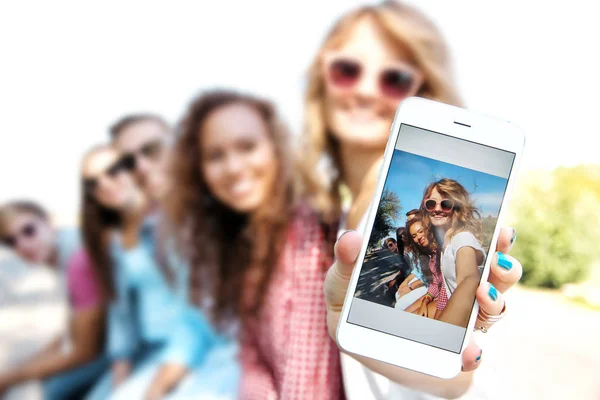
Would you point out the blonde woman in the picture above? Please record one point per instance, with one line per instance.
(457, 227)
(372, 59)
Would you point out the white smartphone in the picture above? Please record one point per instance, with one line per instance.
(429, 237)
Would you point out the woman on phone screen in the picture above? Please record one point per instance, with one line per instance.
(457, 227)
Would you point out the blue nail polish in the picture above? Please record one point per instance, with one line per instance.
(493, 293)
(479, 356)
(504, 262)
(514, 237)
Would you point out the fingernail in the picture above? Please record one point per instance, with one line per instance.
(504, 262)
(349, 230)
(479, 356)
(493, 292)
(514, 237)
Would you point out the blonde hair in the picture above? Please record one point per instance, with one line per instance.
(410, 29)
(466, 217)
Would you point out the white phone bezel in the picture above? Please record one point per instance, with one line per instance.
(462, 124)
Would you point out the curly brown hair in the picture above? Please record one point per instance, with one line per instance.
(221, 245)
(418, 253)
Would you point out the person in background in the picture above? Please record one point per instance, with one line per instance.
(255, 250)
(196, 360)
(401, 239)
(425, 253)
(372, 59)
(423, 250)
(412, 214)
(391, 245)
(145, 138)
(26, 228)
(403, 266)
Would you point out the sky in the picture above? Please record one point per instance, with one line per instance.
(68, 69)
(410, 174)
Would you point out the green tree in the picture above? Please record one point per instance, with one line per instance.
(558, 225)
(388, 211)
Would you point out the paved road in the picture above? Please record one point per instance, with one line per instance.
(378, 269)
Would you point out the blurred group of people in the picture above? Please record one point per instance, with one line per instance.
(203, 248)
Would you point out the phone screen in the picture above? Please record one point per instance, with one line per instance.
(431, 237)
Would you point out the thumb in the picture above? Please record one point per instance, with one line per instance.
(346, 251)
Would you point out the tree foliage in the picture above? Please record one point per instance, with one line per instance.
(388, 210)
(557, 218)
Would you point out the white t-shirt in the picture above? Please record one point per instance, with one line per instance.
(462, 239)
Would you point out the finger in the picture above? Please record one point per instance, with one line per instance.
(337, 280)
(471, 357)
(505, 271)
(490, 299)
(346, 251)
(338, 277)
(506, 240)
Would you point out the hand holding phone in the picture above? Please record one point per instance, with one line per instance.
(453, 166)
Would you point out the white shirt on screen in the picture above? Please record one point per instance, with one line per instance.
(462, 239)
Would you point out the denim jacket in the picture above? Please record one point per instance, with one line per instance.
(148, 310)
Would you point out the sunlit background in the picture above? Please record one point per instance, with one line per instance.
(69, 69)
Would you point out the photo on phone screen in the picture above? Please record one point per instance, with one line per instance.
(431, 235)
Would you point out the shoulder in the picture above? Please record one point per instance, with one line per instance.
(80, 272)
(463, 239)
(79, 263)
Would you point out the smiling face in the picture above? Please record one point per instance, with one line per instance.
(30, 236)
(238, 162)
(419, 234)
(145, 141)
(107, 180)
(362, 112)
(440, 216)
(391, 246)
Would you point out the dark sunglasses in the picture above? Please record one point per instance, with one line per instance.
(390, 245)
(124, 164)
(150, 150)
(28, 231)
(396, 81)
(446, 204)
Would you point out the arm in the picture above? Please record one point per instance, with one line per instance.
(408, 279)
(416, 284)
(458, 309)
(187, 346)
(86, 334)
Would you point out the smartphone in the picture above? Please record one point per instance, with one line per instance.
(429, 236)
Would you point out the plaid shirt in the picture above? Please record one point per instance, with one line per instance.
(286, 352)
(437, 289)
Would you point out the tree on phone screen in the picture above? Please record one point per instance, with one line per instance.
(387, 213)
